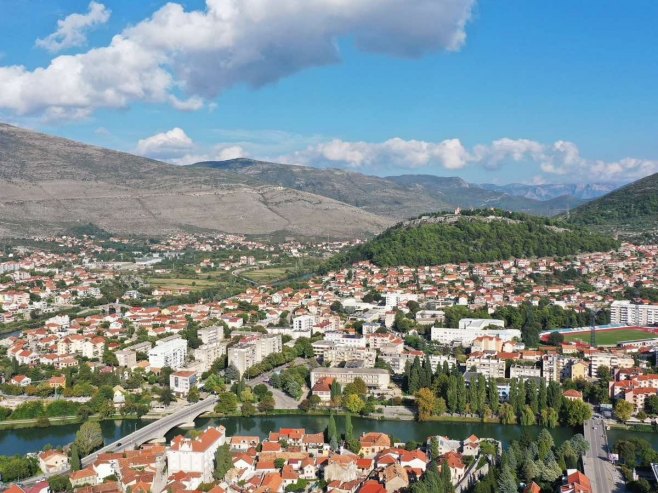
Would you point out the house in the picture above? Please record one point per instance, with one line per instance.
(454, 462)
(576, 482)
(83, 477)
(372, 443)
(244, 443)
(182, 381)
(57, 382)
(21, 380)
(573, 395)
(372, 486)
(196, 455)
(532, 488)
(322, 389)
(52, 461)
(415, 459)
(395, 478)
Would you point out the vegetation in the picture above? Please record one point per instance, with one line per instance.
(473, 238)
(15, 468)
(89, 438)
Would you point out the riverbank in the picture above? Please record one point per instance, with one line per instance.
(58, 421)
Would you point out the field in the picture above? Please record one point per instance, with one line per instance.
(183, 282)
(611, 337)
(265, 276)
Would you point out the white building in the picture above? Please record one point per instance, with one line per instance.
(206, 354)
(182, 381)
(626, 313)
(170, 352)
(374, 378)
(253, 349)
(196, 455)
(303, 323)
(466, 336)
(480, 323)
(211, 335)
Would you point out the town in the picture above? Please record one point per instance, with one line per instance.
(167, 332)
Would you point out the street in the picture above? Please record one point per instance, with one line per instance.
(605, 477)
(282, 400)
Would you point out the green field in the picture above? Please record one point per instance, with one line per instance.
(610, 337)
(183, 282)
(266, 276)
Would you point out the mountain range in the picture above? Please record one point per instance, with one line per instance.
(399, 197)
(49, 184)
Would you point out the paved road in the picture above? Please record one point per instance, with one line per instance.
(604, 476)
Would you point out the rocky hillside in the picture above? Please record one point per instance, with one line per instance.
(399, 197)
(50, 184)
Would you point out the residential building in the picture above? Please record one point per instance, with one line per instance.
(626, 313)
(196, 455)
(182, 381)
(374, 378)
(170, 352)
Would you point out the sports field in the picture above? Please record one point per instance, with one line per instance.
(611, 337)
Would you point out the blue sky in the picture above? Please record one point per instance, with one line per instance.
(492, 91)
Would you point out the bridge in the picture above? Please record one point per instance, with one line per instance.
(156, 430)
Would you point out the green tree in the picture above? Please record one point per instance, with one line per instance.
(332, 433)
(624, 410)
(353, 403)
(223, 462)
(193, 395)
(248, 409)
(348, 428)
(426, 402)
(75, 458)
(89, 437)
(228, 403)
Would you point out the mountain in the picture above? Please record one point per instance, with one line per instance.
(399, 197)
(630, 209)
(377, 195)
(465, 195)
(474, 236)
(581, 191)
(50, 184)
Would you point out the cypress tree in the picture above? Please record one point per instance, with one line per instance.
(332, 434)
(348, 428)
(75, 458)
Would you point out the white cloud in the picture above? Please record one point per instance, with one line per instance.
(561, 158)
(201, 53)
(72, 30)
(175, 142)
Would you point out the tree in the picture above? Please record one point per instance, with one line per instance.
(545, 444)
(426, 402)
(624, 410)
(279, 462)
(59, 483)
(89, 437)
(166, 395)
(267, 403)
(506, 414)
(248, 409)
(332, 433)
(228, 403)
(651, 404)
(555, 338)
(506, 481)
(109, 358)
(348, 428)
(576, 412)
(528, 416)
(223, 462)
(75, 458)
(358, 387)
(232, 374)
(193, 395)
(354, 404)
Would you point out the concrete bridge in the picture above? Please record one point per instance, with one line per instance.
(156, 430)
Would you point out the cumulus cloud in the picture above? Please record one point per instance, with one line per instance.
(174, 142)
(200, 53)
(561, 158)
(72, 30)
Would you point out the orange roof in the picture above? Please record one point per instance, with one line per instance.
(372, 486)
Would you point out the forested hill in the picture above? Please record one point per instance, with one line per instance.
(474, 236)
(630, 208)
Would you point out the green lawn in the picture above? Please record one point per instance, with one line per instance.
(611, 337)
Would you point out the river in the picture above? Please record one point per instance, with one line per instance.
(21, 441)
(24, 440)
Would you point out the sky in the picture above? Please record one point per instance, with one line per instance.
(493, 91)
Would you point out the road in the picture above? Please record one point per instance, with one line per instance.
(604, 476)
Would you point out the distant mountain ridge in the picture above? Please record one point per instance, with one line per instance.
(49, 185)
(398, 197)
(581, 191)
